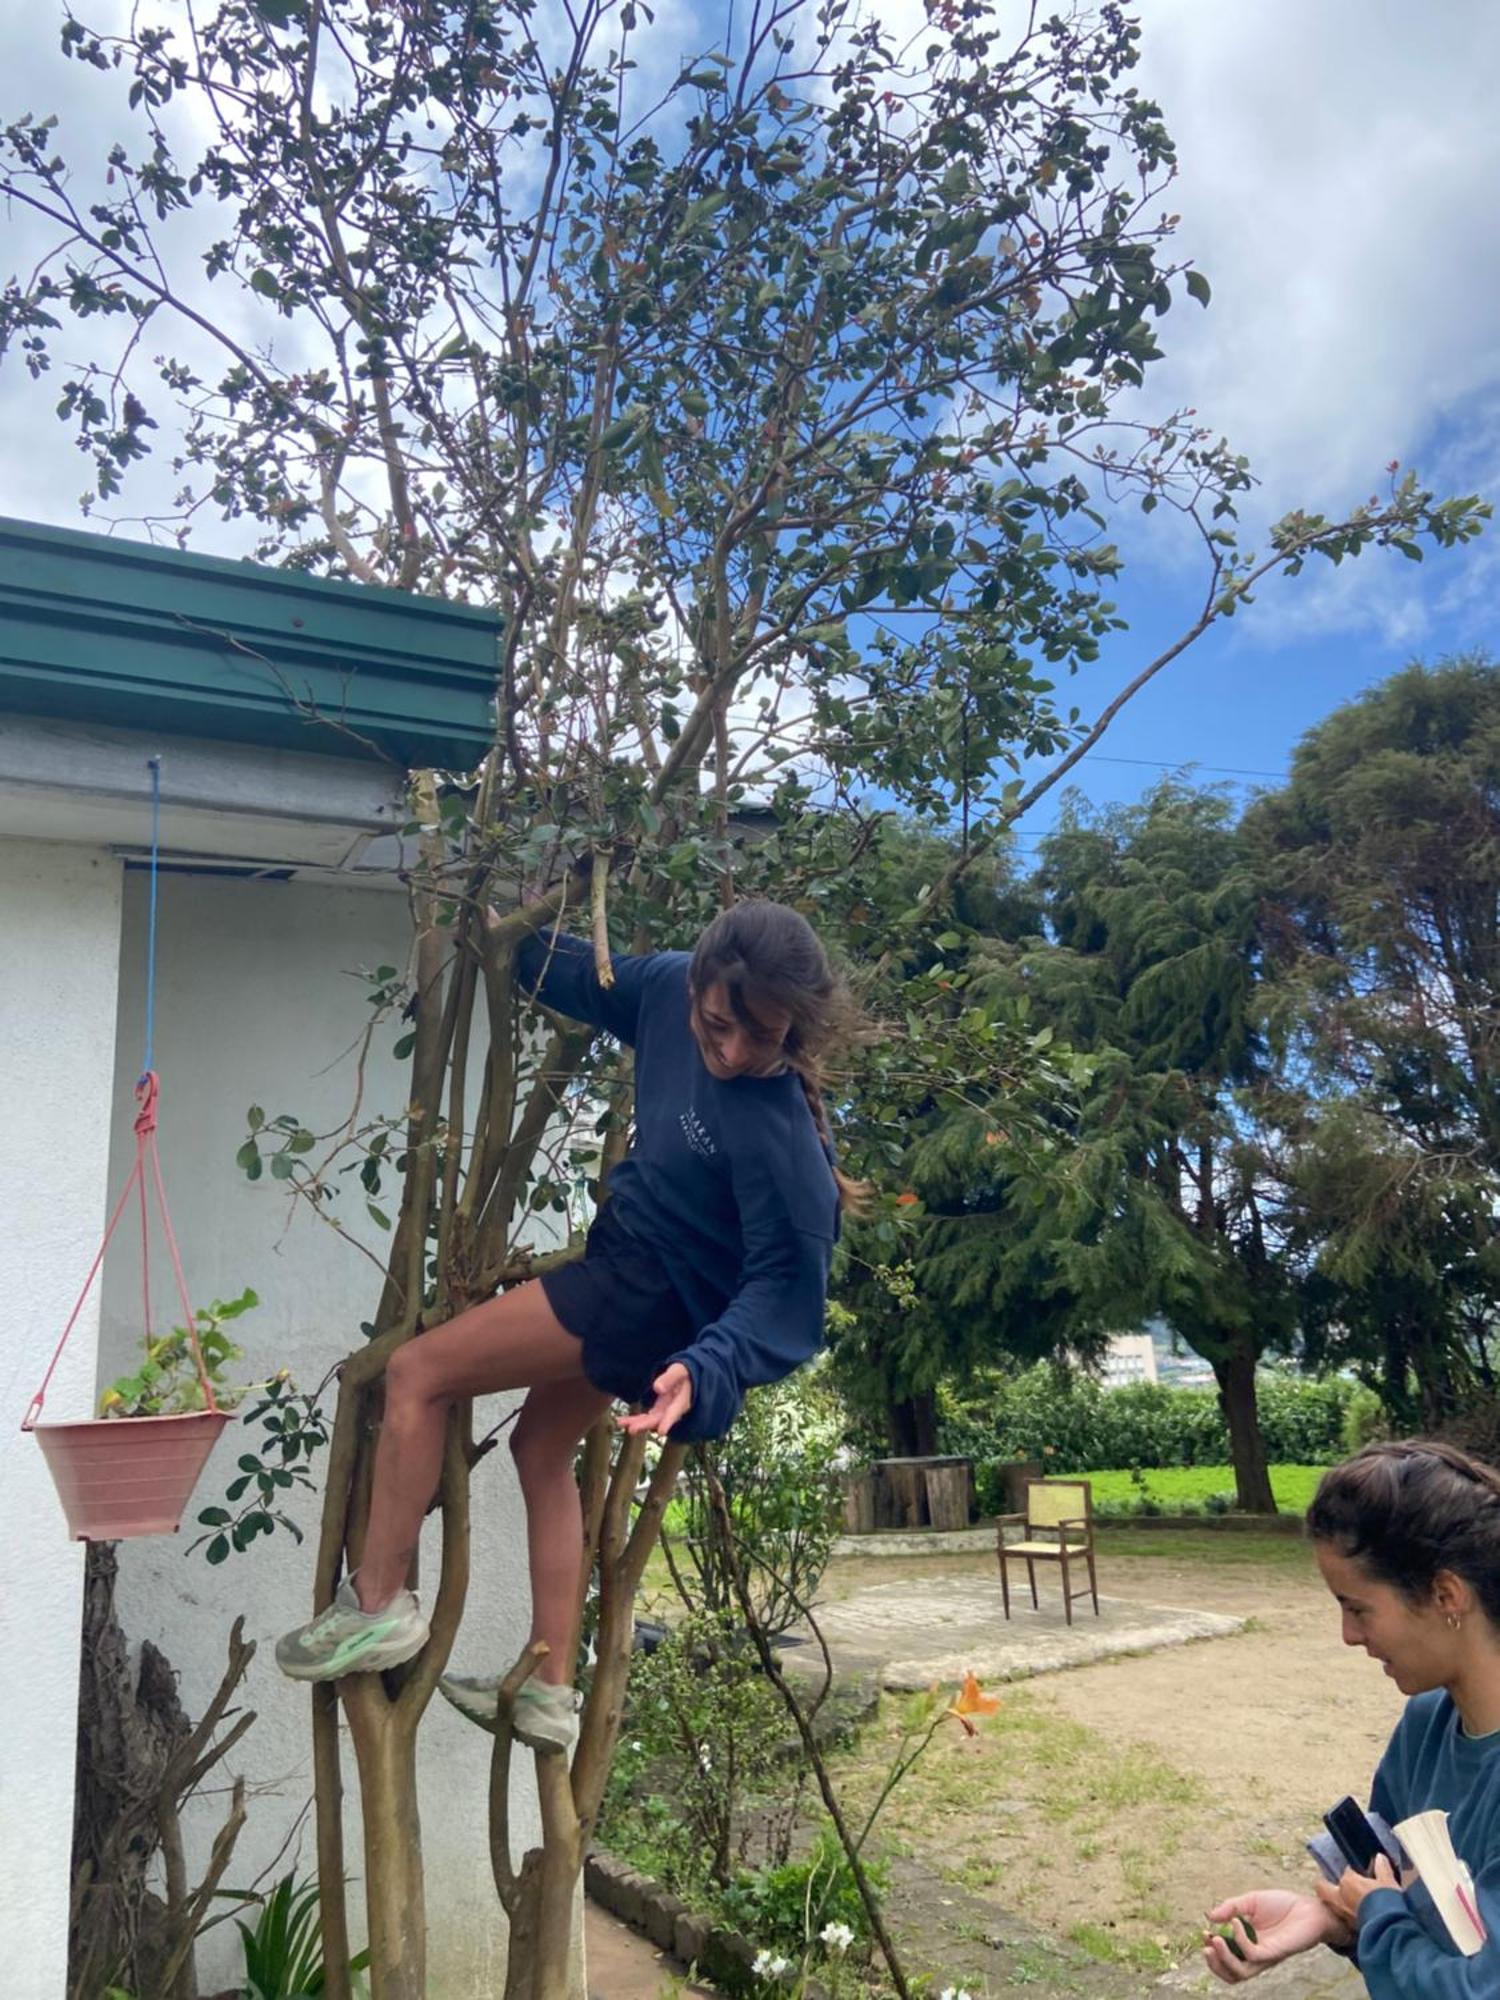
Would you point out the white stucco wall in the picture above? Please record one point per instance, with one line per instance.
(59, 945)
(255, 1005)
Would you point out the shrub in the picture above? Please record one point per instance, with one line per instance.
(701, 1786)
(1364, 1420)
(783, 1494)
(1070, 1422)
(784, 1907)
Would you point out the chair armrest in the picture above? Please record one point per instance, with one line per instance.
(1009, 1520)
(1075, 1521)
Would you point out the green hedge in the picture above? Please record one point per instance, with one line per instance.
(1074, 1423)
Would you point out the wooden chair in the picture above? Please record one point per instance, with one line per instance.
(1064, 1510)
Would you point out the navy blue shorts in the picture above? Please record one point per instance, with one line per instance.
(618, 1300)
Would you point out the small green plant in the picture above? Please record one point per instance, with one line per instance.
(284, 1951)
(776, 1470)
(295, 1430)
(702, 1783)
(776, 1906)
(167, 1383)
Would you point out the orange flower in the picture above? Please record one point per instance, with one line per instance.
(907, 1200)
(971, 1700)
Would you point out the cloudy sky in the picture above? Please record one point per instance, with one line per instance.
(1340, 186)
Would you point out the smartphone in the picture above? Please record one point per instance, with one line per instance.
(1354, 1836)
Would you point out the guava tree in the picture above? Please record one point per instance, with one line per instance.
(775, 394)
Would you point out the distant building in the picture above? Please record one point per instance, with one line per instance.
(1129, 1357)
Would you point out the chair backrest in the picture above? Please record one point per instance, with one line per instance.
(1049, 1501)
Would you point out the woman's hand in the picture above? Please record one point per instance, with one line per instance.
(1344, 1897)
(1284, 1924)
(674, 1398)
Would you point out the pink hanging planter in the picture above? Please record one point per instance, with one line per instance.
(122, 1476)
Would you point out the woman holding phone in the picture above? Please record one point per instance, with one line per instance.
(1407, 1536)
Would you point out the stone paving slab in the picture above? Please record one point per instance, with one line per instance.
(914, 1632)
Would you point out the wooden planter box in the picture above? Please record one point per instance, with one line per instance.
(909, 1493)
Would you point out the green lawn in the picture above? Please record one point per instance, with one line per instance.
(1185, 1489)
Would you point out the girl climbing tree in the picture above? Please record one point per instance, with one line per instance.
(704, 1275)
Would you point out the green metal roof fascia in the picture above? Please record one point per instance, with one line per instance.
(100, 628)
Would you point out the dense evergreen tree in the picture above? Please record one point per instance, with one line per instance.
(1383, 852)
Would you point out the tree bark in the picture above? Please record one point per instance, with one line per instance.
(385, 1750)
(913, 1426)
(1235, 1375)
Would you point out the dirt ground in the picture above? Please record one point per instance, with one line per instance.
(1071, 1847)
(1111, 1804)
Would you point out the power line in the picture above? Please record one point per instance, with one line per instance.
(1157, 764)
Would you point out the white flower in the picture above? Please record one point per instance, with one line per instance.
(837, 1937)
(635, 1746)
(955, 1993)
(767, 1967)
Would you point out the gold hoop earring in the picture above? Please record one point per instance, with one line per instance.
(1455, 1623)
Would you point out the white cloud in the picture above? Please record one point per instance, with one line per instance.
(1339, 167)
(1339, 163)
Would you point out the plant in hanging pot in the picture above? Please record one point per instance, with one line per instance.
(168, 1382)
(131, 1470)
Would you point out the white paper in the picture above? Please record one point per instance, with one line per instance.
(1426, 1838)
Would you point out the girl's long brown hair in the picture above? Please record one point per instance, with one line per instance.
(767, 955)
(1403, 1510)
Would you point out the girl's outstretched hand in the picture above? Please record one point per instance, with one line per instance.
(1268, 1925)
(674, 1398)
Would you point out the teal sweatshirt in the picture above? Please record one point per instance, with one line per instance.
(1403, 1947)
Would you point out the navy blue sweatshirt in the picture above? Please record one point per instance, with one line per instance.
(728, 1183)
(1403, 1946)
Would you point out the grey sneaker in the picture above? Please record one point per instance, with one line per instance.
(546, 1717)
(346, 1640)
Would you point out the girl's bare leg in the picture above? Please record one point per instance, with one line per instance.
(515, 1341)
(543, 1443)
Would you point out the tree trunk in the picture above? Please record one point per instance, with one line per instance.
(1235, 1375)
(913, 1426)
(386, 1753)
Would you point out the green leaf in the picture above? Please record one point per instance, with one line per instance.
(248, 1156)
(282, 1167)
(218, 1549)
(706, 206)
(1198, 287)
(261, 281)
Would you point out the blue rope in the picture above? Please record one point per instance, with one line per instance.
(154, 765)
